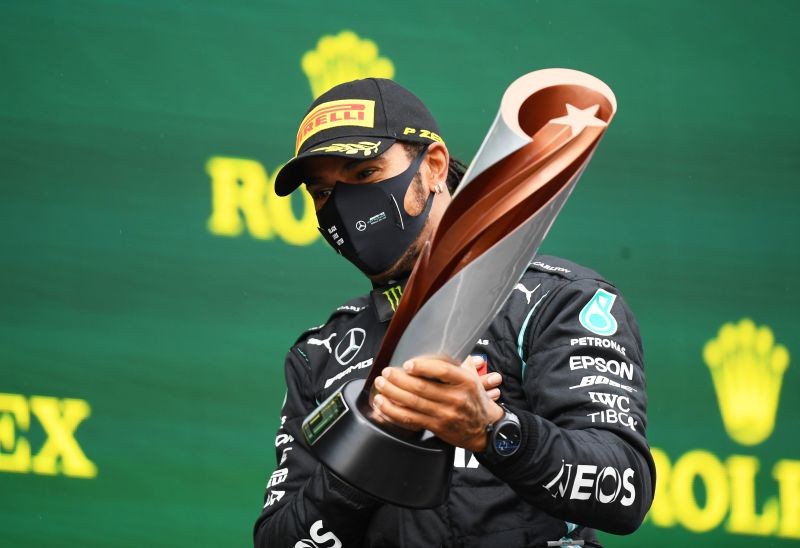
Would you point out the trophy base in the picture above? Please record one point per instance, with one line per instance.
(393, 467)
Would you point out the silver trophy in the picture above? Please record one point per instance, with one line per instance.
(548, 126)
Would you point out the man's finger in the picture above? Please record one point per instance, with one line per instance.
(436, 369)
(423, 387)
(473, 361)
(401, 416)
(405, 398)
(492, 380)
(476, 362)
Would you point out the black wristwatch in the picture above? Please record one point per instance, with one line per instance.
(503, 437)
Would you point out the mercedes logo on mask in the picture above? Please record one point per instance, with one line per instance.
(361, 226)
(350, 345)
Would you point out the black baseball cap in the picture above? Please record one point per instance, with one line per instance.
(358, 119)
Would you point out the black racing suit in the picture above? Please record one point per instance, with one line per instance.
(570, 354)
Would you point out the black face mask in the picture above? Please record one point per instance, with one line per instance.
(368, 224)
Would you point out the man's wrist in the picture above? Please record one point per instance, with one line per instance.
(503, 436)
(495, 414)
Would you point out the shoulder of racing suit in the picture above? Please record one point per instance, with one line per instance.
(555, 282)
(561, 268)
(322, 334)
(545, 278)
(346, 310)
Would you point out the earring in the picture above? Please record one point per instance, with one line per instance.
(438, 188)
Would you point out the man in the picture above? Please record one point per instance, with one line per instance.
(559, 371)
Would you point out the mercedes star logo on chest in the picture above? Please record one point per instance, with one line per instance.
(350, 345)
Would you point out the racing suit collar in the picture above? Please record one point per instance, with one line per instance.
(386, 297)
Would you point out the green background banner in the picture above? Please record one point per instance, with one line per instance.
(151, 283)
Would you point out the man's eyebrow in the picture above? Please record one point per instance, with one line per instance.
(354, 162)
(350, 164)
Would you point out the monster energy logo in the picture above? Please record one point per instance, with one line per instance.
(393, 295)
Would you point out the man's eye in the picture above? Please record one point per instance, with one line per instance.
(366, 173)
(322, 193)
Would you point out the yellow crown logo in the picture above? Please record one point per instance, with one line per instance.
(747, 368)
(342, 58)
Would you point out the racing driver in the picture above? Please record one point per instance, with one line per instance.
(559, 371)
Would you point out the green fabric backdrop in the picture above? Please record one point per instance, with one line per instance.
(150, 284)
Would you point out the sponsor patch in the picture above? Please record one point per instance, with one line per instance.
(278, 476)
(545, 266)
(274, 496)
(281, 439)
(610, 416)
(623, 403)
(615, 367)
(594, 380)
(344, 112)
(350, 345)
(393, 295)
(528, 293)
(586, 482)
(322, 342)
(460, 459)
(385, 300)
(345, 372)
(349, 308)
(598, 342)
(596, 315)
(424, 133)
(319, 538)
(367, 148)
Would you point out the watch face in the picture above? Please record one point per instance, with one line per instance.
(507, 439)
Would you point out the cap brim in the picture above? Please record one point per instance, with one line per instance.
(290, 176)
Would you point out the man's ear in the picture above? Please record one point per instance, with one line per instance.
(437, 160)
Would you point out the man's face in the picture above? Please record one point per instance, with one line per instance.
(321, 173)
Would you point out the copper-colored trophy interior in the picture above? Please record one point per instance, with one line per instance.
(500, 199)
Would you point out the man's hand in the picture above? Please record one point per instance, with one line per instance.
(451, 401)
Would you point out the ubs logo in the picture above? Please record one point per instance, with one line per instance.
(350, 345)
